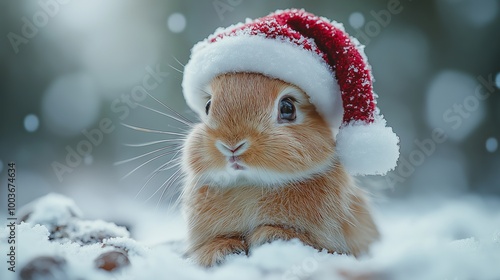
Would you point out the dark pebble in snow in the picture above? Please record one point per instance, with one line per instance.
(44, 267)
(112, 260)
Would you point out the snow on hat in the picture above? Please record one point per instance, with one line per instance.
(318, 56)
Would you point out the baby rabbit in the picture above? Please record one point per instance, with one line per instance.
(262, 166)
(288, 115)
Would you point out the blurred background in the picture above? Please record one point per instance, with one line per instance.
(72, 71)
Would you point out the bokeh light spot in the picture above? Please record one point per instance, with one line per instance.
(452, 104)
(473, 12)
(357, 20)
(71, 104)
(88, 159)
(176, 22)
(31, 123)
(491, 144)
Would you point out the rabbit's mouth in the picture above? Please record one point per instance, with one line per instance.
(235, 162)
(236, 166)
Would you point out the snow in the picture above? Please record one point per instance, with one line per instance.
(62, 218)
(421, 239)
(52, 209)
(87, 232)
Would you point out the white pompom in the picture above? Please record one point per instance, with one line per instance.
(368, 149)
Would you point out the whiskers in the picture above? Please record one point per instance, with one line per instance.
(175, 68)
(143, 129)
(174, 150)
(164, 154)
(152, 143)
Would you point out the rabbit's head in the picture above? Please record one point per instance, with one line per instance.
(257, 131)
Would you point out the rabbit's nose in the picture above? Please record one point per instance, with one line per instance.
(232, 150)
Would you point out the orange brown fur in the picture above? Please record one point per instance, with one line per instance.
(323, 208)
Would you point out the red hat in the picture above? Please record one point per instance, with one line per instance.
(318, 56)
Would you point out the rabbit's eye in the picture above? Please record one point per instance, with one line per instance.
(207, 106)
(287, 110)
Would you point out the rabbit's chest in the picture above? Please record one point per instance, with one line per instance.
(291, 207)
(245, 208)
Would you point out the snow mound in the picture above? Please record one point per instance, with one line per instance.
(457, 239)
(63, 220)
(52, 209)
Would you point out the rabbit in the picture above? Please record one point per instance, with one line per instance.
(261, 166)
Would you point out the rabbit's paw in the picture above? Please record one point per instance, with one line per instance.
(268, 233)
(215, 251)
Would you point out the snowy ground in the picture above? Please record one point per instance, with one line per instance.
(452, 239)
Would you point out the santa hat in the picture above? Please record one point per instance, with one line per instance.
(318, 56)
